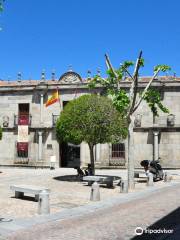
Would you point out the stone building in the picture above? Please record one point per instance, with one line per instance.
(29, 137)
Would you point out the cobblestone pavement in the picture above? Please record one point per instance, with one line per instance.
(64, 194)
(114, 223)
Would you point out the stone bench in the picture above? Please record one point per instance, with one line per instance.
(140, 174)
(108, 180)
(21, 189)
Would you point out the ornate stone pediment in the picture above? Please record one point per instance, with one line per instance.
(70, 78)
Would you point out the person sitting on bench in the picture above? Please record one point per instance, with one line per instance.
(80, 172)
(88, 171)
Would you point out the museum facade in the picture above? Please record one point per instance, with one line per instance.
(29, 135)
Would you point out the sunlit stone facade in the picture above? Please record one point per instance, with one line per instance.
(23, 111)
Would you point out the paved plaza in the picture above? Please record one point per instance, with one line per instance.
(64, 194)
(73, 216)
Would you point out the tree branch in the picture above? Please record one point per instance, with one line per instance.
(127, 72)
(134, 85)
(136, 69)
(109, 66)
(145, 90)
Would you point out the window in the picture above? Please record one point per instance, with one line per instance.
(23, 118)
(23, 108)
(118, 150)
(49, 146)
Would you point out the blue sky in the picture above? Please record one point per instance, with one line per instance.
(42, 34)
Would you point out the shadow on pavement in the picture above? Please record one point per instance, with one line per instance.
(141, 180)
(76, 178)
(27, 198)
(169, 223)
(69, 178)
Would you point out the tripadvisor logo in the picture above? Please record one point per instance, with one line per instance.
(139, 231)
(150, 231)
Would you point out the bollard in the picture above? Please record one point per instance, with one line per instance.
(43, 205)
(167, 177)
(124, 186)
(150, 182)
(95, 193)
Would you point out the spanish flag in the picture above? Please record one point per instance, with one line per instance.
(54, 98)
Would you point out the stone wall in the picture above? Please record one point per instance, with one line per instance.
(7, 148)
(169, 141)
(169, 149)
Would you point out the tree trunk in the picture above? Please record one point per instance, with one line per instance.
(131, 154)
(154, 119)
(91, 147)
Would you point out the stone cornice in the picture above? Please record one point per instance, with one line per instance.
(50, 85)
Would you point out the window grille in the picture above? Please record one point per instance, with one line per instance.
(118, 150)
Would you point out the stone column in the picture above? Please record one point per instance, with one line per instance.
(156, 145)
(40, 146)
(41, 109)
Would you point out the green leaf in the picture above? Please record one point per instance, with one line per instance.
(128, 64)
(1, 5)
(163, 68)
(91, 118)
(141, 62)
(121, 101)
(153, 99)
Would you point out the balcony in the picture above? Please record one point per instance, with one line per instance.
(54, 119)
(22, 120)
